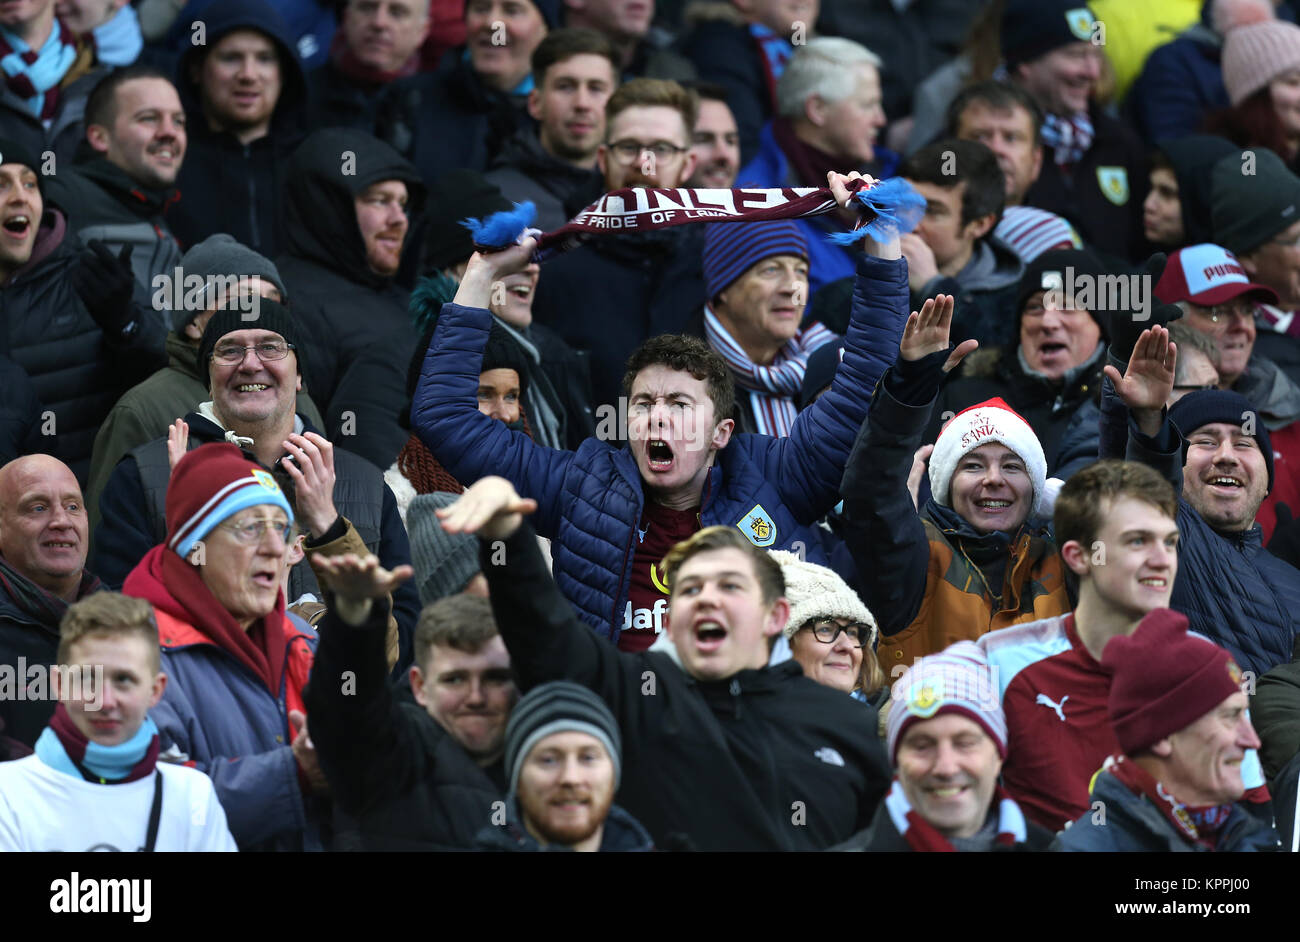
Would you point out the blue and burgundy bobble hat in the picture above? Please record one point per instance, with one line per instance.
(731, 248)
(211, 484)
(958, 680)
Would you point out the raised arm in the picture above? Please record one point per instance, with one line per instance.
(1144, 388)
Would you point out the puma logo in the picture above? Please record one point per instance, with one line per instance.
(1047, 701)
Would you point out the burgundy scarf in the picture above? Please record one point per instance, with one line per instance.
(346, 61)
(169, 583)
(1196, 825)
(75, 745)
(809, 164)
(44, 606)
(922, 836)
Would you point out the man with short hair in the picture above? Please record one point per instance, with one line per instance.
(612, 293)
(828, 116)
(421, 775)
(254, 374)
(1215, 449)
(95, 782)
(682, 468)
(953, 250)
(716, 141)
(44, 539)
(1180, 718)
(946, 736)
(135, 129)
(1094, 173)
(706, 789)
(642, 50)
(554, 166)
(378, 42)
(112, 24)
(564, 759)
(245, 96)
(1005, 119)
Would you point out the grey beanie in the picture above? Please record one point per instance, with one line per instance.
(1246, 210)
(444, 562)
(560, 706)
(220, 256)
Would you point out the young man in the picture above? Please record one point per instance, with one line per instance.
(1114, 524)
(554, 166)
(615, 511)
(1177, 781)
(690, 770)
(564, 759)
(716, 141)
(95, 782)
(947, 739)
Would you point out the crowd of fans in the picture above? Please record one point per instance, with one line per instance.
(323, 527)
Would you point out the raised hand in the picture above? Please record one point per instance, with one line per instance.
(927, 331)
(490, 508)
(1149, 380)
(178, 442)
(305, 752)
(312, 472)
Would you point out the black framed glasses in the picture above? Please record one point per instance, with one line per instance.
(627, 151)
(827, 631)
(231, 353)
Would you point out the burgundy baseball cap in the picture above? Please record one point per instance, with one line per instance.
(1207, 275)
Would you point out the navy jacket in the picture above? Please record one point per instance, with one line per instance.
(623, 834)
(591, 500)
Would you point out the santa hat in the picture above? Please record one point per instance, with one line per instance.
(989, 422)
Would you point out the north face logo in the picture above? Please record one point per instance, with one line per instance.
(829, 756)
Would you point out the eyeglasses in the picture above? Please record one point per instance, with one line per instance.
(1226, 312)
(251, 532)
(827, 631)
(627, 151)
(232, 353)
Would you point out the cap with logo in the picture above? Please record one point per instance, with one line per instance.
(1207, 275)
(1033, 28)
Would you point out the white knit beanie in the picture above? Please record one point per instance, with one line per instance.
(817, 592)
(991, 421)
(1256, 48)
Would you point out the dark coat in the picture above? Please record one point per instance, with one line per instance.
(559, 190)
(77, 372)
(764, 760)
(227, 186)
(20, 413)
(337, 101)
(1181, 83)
(402, 779)
(1275, 713)
(67, 128)
(1130, 823)
(724, 53)
(133, 521)
(986, 303)
(609, 296)
(623, 834)
(592, 499)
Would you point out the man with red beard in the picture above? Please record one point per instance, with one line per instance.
(564, 757)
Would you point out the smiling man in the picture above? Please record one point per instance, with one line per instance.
(716, 141)
(614, 511)
(44, 538)
(1177, 781)
(689, 716)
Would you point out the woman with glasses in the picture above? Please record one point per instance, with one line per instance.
(830, 632)
(235, 663)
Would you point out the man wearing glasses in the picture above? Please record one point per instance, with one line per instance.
(606, 297)
(1219, 297)
(254, 372)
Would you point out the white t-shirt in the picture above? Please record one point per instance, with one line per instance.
(42, 809)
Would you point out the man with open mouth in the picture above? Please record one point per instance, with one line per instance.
(614, 512)
(1179, 713)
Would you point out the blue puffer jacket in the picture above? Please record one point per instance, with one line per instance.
(827, 262)
(1129, 823)
(590, 501)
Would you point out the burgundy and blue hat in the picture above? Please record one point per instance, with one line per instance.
(1207, 275)
(731, 248)
(957, 680)
(210, 484)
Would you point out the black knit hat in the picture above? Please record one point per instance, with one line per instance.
(458, 195)
(1192, 159)
(270, 315)
(1033, 28)
(13, 151)
(501, 352)
(1051, 269)
(1209, 406)
(1248, 209)
(560, 706)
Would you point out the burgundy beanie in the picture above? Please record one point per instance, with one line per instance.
(210, 484)
(1164, 679)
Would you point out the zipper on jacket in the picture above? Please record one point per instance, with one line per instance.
(734, 690)
(252, 199)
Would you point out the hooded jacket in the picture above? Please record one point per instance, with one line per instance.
(104, 203)
(985, 289)
(331, 284)
(559, 190)
(622, 834)
(20, 413)
(723, 52)
(764, 759)
(227, 186)
(77, 372)
(592, 499)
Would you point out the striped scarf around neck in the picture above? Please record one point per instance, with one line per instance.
(34, 75)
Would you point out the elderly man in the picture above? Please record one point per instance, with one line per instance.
(756, 279)
(1219, 298)
(44, 539)
(564, 758)
(947, 738)
(253, 405)
(1179, 714)
(828, 116)
(95, 776)
(236, 663)
(703, 788)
